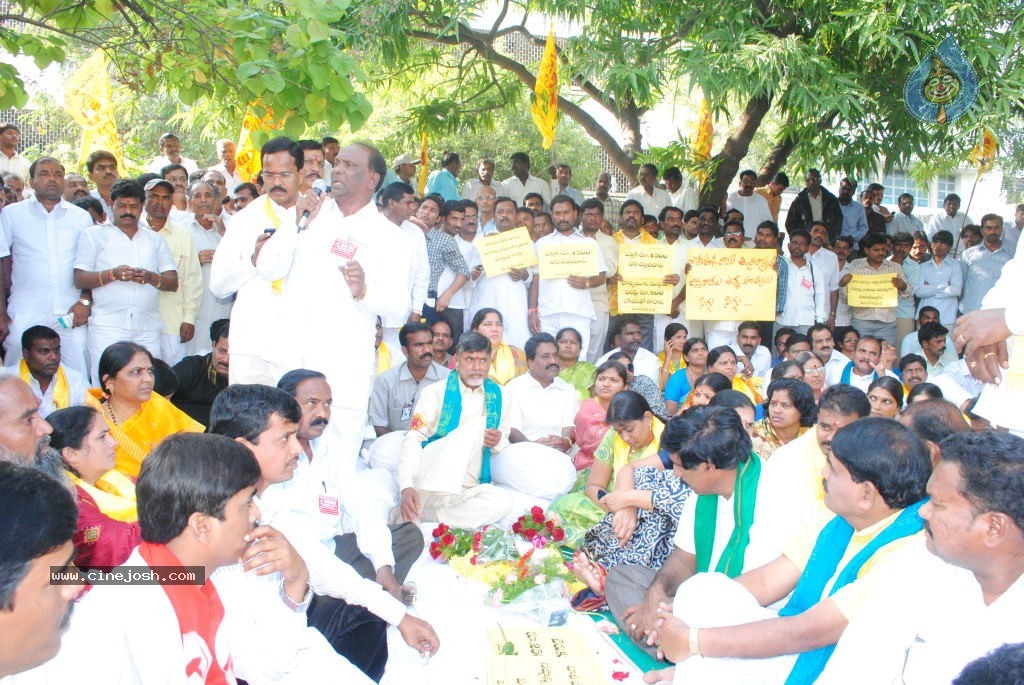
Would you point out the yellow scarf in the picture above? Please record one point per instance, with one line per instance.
(745, 387)
(61, 391)
(503, 365)
(623, 454)
(114, 494)
(383, 358)
(276, 223)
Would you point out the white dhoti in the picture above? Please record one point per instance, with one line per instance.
(712, 600)
(598, 335)
(172, 350)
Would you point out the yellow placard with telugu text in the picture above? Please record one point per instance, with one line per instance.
(573, 259)
(644, 298)
(731, 284)
(502, 252)
(548, 656)
(646, 263)
(871, 291)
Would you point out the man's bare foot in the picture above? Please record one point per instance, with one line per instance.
(663, 675)
(588, 572)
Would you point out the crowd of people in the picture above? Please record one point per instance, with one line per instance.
(832, 495)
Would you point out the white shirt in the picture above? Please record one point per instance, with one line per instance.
(685, 198)
(43, 245)
(761, 359)
(555, 295)
(124, 304)
(653, 203)
(517, 190)
(17, 165)
(233, 179)
(77, 385)
(471, 188)
(161, 161)
(807, 301)
(755, 210)
(538, 411)
(837, 361)
(211, 308)
(420, 276)
(645, 363)
(610, 252)
(834, 376)
(826, 265)
(944, 284)
(714, 242)
(463, 297)
(944, 222)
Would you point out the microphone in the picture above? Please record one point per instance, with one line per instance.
(320, 187)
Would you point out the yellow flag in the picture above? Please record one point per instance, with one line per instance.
(87, 100)
(545, 93)
(421, 182)
(984, 153)
(247, 157)
(702, 136)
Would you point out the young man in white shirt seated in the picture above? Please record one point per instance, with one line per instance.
(55, 385)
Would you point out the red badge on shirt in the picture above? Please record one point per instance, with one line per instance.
(328, 505)
(417, 422)
(346, 249)
(806, 283)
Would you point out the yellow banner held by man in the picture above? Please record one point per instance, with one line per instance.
(87, 100)
(502, 252)
(871, 291)
(731, 285)
(563, 261)
(646, 263)
(643, 298)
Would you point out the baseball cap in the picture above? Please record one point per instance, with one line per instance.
(405, 159)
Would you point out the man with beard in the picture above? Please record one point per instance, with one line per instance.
(41, 235)
(178, 308)
(207, 228)
(557, 303)
(202, 377)
(54, 385)
(126, 266)
(75, 187)
(484, 179)
(38, 517)
(24, 434)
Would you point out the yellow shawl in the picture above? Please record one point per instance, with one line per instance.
(139, 434)
(383, 358)
(623, 454)
(114, 494)
(61, 391)
(507, 363)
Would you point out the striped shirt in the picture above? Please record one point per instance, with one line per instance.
(443, 252)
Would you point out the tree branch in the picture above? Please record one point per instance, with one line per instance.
(779, 155)
(735, 149)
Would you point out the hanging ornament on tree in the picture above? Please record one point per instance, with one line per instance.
(943, 86)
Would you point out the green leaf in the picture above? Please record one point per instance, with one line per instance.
(317, 31)
(274, 82)
(247, 70)
(320, 74)
(296, 37)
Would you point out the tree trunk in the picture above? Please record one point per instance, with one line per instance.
(734, 150)
(779, 154)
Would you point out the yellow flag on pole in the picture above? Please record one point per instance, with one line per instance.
(984, 153)
(247, 157)
(702, 136)
(87, 100)
(545, 93)
(421, 182)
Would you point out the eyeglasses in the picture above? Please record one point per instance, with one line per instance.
(850, 341)
(283, 175)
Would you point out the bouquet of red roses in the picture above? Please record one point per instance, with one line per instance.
(451, 542)
(538, 529)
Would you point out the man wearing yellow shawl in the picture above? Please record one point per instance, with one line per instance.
(55, 385)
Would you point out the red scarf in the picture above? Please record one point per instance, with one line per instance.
(200, 612)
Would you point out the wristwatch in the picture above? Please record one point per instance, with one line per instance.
(87, 303)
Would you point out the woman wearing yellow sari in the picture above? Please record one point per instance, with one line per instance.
(722, 360)
(790, 410)
(671, 358)
(137, 417)
(108, 527)
(507, 361)
(635, 434)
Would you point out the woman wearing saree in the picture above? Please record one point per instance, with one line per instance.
(591, 422)
(507, 361)
(138, 418)
(789, 411)
(574, 371)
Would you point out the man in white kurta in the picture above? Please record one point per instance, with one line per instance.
(505, 292)
(207, 233)
(41, 235)
(337, 275)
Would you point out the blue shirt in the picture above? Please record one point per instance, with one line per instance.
(855, 221)
(444, 184)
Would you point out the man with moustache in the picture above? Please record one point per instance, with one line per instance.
(259, 304)
(346, 267)
(227, 167)
(313, 164)
(126, 266)
(557, 303)
(591, 221)
(484, 179)
(398, 203)
(855, 222)
(753, 205)
(24, 433)
(395, 391)
(177, 176)
(207, 229)
(75, 187)
(507, 292)
(631, 232)
(612, 207)
(170, 153)
(55, 386)
(872, 358)
(202, 377)
(41, 235)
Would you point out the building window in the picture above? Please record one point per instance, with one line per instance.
(944, 185)
(899, 182)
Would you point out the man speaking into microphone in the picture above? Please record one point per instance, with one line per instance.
(348, 265)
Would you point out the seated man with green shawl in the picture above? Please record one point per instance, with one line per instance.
(727, 528)
(445, 468)
(875, 482)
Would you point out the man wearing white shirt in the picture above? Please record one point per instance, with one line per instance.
(259, 304)
(41, 236)
(337, 276)
(102, 168)
(170, 153)
(55, 386)
(592, 217)
(824, 348)
(228, 167)
(903, 220)
(178, 308)
(681, 195)
(398, 203)
(984, 263)
(826, 265)
(754, 207)
(652, 198)
(940, 280)
(521, 182)
(484, 177)
(707, 227)
(671, 220)
(949, 219)
(10, 161)
(126, 266)
(207, 229)
(933, 340)
(806, 297)
(869, 362)
(627, 336)
(560, 303)
(748, 342)
(906, 633)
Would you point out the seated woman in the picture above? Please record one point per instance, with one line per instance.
(790, 410)
(138, 418)
(574, 371)
(591, 420)
(640, 384)
(507, 361)
(923, 392)
(635, 435)
(108, 528)
(385, 357)
(814, 372)
(722, 360)
(695, 353)
(886, 397)
(846, 338)
(787, 369)
(704, 390)
(671, 358)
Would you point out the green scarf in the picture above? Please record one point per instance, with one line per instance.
(451, 411)
(744, 499)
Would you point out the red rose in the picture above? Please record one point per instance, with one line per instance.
(558, 534)
(537, 511)
(472, 560)
(550, 525)
(538, 516)
(530, 533)
(435, 550)
(448, 540)
(517, 527)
